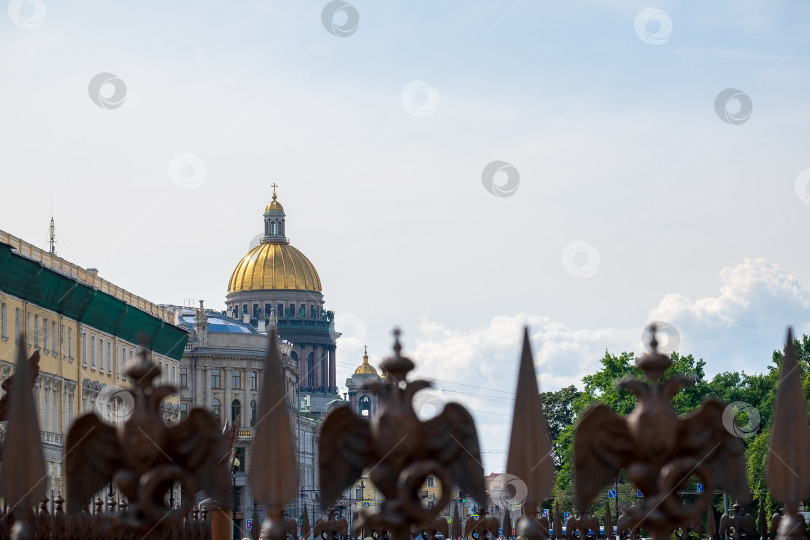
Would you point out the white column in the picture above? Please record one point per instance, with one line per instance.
(57, 387)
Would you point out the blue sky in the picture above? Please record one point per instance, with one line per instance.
(635, 200)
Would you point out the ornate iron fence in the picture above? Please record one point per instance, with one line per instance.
(145, 458)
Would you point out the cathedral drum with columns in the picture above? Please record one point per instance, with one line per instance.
(274, 283)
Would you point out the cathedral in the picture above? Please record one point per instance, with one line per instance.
(275, 281)
(273, 286)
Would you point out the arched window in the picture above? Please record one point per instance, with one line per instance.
(215, 407)
(364, 406)
(236, 410)
(311, 370)
(253, 413)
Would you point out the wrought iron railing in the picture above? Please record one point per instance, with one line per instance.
(657, 449)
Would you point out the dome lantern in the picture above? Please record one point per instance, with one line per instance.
(274, 221)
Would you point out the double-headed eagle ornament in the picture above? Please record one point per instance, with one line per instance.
(400, 451)
(145, 457)
(659, 450)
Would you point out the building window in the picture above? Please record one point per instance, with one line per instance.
(45, 334)
(3, 322)
(174, 374)
(292, 310)
(183, 411)
(53, 336)
(364, 406)
(240, 455)
(254, 380)
(36, 331)
(17, 324)
(109, 356)
(28, 326)
(267, 308)
(70, 342)
(431, 481)
(101, 354)
(93, 352)
(183, 377)
(236, 411)
(280, 310)
(84, 348)
(122, 358)
(256, 310)
(252, 413)
(216, 379)
(236, 379)
(215, 407)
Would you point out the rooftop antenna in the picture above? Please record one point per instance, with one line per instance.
(52, 242)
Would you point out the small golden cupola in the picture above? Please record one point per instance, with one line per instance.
(365, 368)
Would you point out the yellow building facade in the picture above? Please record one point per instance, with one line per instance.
(86, 331)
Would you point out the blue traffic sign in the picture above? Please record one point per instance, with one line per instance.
(249, 523)
(366, 504)
(567, 515)
(611, 494)
(700, 488)
(639, 493)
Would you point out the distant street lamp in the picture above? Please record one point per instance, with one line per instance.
(235, 467)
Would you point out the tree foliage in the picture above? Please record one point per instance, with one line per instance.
(754, 394)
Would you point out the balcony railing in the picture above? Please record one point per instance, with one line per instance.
(51, 438)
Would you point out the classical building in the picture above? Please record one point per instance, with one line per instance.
(273, 286)
(274, 279)
(86, 330)
(222, 369)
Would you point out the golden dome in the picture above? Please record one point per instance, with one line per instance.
(365, 368)
(274, 265)
(274, 206)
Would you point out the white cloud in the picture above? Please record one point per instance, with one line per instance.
(747, 320)
(736, 329)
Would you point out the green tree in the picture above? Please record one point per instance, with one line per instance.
(559, 408)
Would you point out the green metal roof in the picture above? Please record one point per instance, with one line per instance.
(29, 280)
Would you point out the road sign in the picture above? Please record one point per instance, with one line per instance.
(611, 494)
(639, 493)
(249, 523)
(567, 515)
(474, 516)
(545, 512)
(500, 532)
(366, 504)
(700, 488)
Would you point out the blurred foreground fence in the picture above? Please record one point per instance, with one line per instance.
(658, 450)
